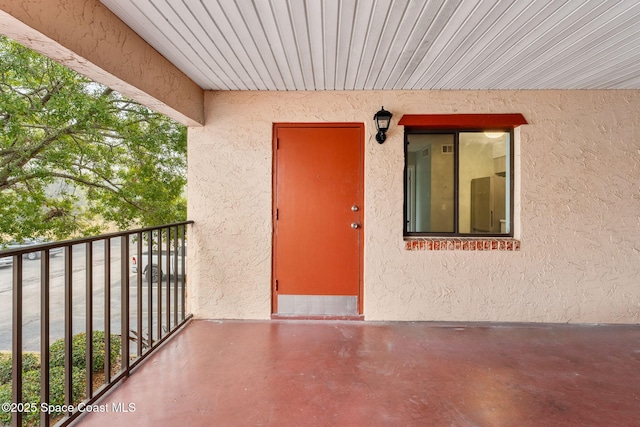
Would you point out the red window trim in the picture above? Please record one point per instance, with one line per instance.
(462, 121)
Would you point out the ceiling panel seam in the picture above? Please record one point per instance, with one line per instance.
(603, 44)
(405, 43)
(454, 64)
(384, 43)
(448, 51)
(360, 33)
(237, 45)
(254, 56)
(215, 34)
(552, 44)
(524, 32)
(227, 80)
(178, 60)
(273, 32)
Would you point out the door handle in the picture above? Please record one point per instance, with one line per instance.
(355, 225)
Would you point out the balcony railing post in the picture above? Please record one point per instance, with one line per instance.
(159, 282)
(68, 326)
(16, 345)
(124, 304)
(107, 310)
(139, 291)
(89, 319)
(44, 333)
(175, 276)
(150, 290)
(168, 279)
(184, 272)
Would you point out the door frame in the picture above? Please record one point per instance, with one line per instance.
(274, 194)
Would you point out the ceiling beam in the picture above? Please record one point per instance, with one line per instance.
(87, 37)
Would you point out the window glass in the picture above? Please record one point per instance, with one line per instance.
(458, 183)
(430, 183)
(482, 185)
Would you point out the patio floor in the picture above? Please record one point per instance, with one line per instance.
(341, 373)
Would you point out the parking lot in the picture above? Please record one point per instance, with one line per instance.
(31, 296)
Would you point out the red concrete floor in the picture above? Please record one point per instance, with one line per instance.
(325, 373)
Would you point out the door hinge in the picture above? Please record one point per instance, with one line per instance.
(277, 214)
(276, 284)
(277, 143)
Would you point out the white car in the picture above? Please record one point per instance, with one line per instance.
(157, 271)
(32, 242)
(6, 261)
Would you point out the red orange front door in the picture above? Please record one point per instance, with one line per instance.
(318, 213)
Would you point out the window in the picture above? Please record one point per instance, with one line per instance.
(458, 182)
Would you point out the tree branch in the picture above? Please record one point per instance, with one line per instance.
(96, 185)
(19, 159)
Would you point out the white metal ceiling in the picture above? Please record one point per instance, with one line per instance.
(394, 44)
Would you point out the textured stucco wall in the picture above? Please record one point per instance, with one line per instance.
(578, 208)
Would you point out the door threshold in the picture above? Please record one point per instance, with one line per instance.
(274, 316)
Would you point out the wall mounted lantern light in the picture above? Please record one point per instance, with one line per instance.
(383, 120)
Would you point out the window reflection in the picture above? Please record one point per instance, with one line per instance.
(430, 183)
(482, 194)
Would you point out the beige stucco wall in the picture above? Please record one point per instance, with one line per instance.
(578, 217)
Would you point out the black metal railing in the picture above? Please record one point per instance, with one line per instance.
(124, 290)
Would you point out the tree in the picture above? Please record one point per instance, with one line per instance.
(75, 155)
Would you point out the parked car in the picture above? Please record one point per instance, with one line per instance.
(31, 242)
(157, 270)
(6, 261)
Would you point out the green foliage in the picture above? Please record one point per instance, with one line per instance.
(5, 368)
(31, 373)
(74, 154)
(30, 361)
(31, 392)
(79, 342)
(5, 396)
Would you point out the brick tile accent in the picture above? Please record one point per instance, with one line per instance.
(461, 244)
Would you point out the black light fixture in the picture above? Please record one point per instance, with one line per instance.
(383, 120)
